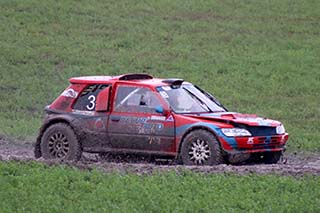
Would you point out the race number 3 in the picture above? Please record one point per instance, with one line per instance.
(92, 102)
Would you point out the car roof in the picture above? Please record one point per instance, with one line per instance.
(139, 79)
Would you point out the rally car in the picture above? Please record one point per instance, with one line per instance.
(136, 113)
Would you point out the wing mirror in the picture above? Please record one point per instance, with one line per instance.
(161, 110)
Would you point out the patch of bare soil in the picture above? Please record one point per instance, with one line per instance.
(292, 164)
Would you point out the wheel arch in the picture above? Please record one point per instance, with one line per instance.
(44, 127)
(193, 129)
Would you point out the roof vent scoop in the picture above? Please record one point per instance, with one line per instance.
(173, 81)
(137, 76)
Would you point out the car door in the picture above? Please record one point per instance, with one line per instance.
(134, 123)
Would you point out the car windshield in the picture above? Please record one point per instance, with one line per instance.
(188, 98)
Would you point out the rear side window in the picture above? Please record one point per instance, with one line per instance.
(87, 99)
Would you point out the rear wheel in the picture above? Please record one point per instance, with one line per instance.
(201, 147)
(60, 142)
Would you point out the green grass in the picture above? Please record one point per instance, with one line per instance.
(255, 56)
(33, 187)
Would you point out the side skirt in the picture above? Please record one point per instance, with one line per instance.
(130, 151)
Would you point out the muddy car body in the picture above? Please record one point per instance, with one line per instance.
(136, 113)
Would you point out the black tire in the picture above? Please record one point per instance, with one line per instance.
(201, 147)
(60, 142)
(256, 158)
(272, 157)
(105, 155)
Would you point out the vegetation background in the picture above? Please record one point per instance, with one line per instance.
(31, 187)
(258, 57)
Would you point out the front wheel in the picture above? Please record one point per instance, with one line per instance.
(201, 147)
(60, 142)
(272, 157)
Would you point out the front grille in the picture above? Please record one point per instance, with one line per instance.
(266, 143)
(261, 130)
(262, 146)
(266, 146)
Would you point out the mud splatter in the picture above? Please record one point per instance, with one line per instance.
(293, 164)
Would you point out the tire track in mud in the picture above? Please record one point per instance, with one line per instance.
(293, 165)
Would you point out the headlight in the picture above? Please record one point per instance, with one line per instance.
(280, 130)
(234, 132)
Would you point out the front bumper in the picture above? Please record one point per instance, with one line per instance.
(254, 144)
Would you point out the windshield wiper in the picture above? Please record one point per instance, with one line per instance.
(211, 97)
(202, 103)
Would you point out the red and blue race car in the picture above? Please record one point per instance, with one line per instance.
(136, 113)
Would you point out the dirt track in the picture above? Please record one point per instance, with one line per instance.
(293, 164)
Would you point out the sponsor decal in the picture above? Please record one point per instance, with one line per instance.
(70, 93)
(158, 118)
(166, 88)
(81, 112)
(142, 124)
(134, 120)
(164, 94)
(170, 118)
(99, 124)
(250, 140)
(260, 121)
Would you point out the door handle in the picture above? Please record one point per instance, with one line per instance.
(115, 118)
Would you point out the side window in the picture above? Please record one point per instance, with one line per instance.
(135, 99)
(87, 98)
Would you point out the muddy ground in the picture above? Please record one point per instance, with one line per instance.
(295, 164)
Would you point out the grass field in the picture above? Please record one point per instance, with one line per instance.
(255, 56)
(31, 187)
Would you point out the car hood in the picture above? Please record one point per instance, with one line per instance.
(234, 117)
